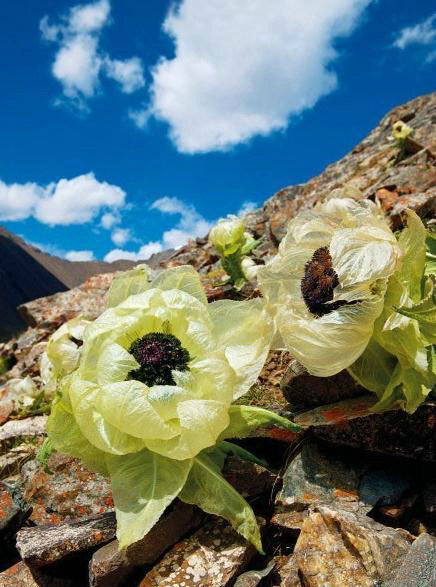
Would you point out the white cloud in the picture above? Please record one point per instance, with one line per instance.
(244, 68)
(423, 33)
(109, 220)
(144, 253)
(69, 201)
(120, 236)
(79, 62)
(247, 207)
(191, 224)
(128, 73)
(80, 256)
(17, 201)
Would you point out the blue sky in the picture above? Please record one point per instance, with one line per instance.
(127, 126)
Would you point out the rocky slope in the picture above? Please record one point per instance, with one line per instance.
(349, 501)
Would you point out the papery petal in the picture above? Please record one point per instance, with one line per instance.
(201, 422)
(245, 331)
(126, 407)
(184, 278)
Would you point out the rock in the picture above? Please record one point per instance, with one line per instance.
(317, 475)
(16, 429)
(248, 478)
(305, 391)
(344, 549)
(336, 413)
(21, 575)
(69, 493)
(109, 566)
(11, 507)
(253, 578)
(88, 300)
(418, 567)
(429, 497)
(43, 545)
(212, 557)
(395, 432)
(384, 487)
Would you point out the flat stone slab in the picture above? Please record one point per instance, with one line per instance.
(43, 545)
(70, 492)
(418, 567)
(110, 567)
(213, 557)
(23, 428)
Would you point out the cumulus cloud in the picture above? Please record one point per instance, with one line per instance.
(109, 219)
(191, 224)
(423, 33)
(243, 68)
(79, 256)
(120, 236)
(79, 61)
(68, 201)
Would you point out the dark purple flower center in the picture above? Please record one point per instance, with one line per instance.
(158, 355)
(319, 282)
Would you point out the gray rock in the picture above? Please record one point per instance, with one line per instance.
(253, 578)
(42, 545)
(317, 475)
(109, 566)
(418, 567)
(28, 427)
(383, 487)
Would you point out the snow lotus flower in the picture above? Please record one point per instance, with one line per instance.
(326, 286)
(227, 236)
(150, 400)
(400, 131)
(233, 243)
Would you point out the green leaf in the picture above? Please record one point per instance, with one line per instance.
(245, 419)
(374, 368)
(143, 486)
(229, 448)
(44, 453)
(430, 260)
(127, 284)
(65, 436)
(207, 489)
(412, 242)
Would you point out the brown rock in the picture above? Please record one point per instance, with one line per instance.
(343, 549)
(212, 557)
(395, 432)
(109, 566)
(248, 478)
(305, 391)
(42, 545)
(69, 493)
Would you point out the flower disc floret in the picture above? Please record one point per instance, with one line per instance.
(158, 355)
(325, 287)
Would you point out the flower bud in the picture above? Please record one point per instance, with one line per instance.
(227, 236)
